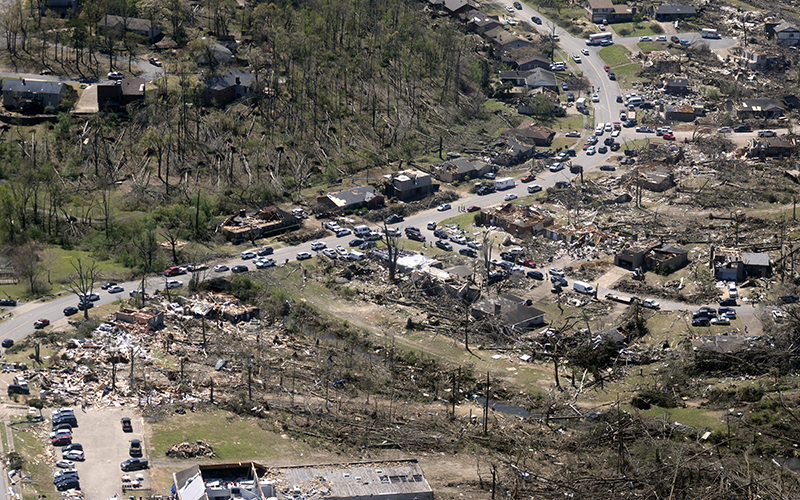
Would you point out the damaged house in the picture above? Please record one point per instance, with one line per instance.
(409, 185)
(461, 169)
(530, 79)
(267, 221)
(768, 147)
(504, 41)
(784, 33)
(517, 219)
(604, 10)
(760, 108)
(531, 132)
(480, 23)
(677, 86)
(654, 176)
(351, 199)
(511, 311)
(652, 256)
(730, 264)
(511, 152)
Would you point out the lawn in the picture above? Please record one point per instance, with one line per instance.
(628, 74)
(614, 55)
(653, 46)
(633, 29)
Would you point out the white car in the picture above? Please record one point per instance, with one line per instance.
(591, 150)
(534, 188)
(340, 249)
(330, 253)
(608, 127)
(475, 244)
(303, 255)
(249, 254)
(116, 75)
(443, 207)
(509, 8)
(645, 39)
(572, 133)
(777, 316)
(343, 231)
(595, 98)
(431, 225)
(651, 304)
(556, 167)
(720, 321)
(661, 38)
(220, 268)
(615, 133)
(510, 196)
(65, 464)
(555, 271)
(457, 238)
(576, 58)
(174, 284)
(585, 52)
(73, 455)
(318, 245)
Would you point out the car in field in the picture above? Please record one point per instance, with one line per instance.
(701, 321)
(576, 58)
(627, 161)
(318, 245)
(468, 252)
(135, 449)
(115, 75)
(510, 197)
(559, 281)
(41, 323)
(591, 150)
(7, 343)
(608, 168)
(154, 62)
(645, 39)
(134, 464)
(248, 255)
(585, 52)
(174, 284)
(116, 289)
(393, 219)
(651, 304)
(728, 302)
(444, 245)
(573, 133)
(443, 207)
(564, 86)
(537, 275)
(221, 268)
(534, 188)
(239, 269)
(721, 320)
(473, 208)
(8, 302)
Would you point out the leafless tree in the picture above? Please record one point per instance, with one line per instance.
(393, 250)
(28, 265)
(81, 283)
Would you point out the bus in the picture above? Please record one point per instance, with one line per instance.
(598, 38)
(710, 33)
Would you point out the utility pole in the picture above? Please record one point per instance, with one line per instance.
(486, 408)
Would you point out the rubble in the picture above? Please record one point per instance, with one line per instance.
(191, 450)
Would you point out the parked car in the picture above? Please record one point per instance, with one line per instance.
(627, 161)
(534, 188)
(393, 219)
(65, 464)
(239, 269)
(440, 234)
(468, 252)
(724, 130)
(742, 128)
(528, 178)
(789, 299)
(563, 184)
(473, 208)
(155, 62)
(443, 207)
(608, 168)
(265, 251)
(555, 271)
(60, 439)
(444, 245)
(8, 302)
(367, 245)
(7, 343)
(318, 245)
(720, 321)
(134, 464)
(135, 449)
(221, 268)
(82, 306)
(116, 289)
(41, 323)
(107, 285)
(651, 304)
(573, 133)
(701, 321)
(537, 275)
(126, 424)
(248, 255)
(728, 302)
(778, 316)
(343, 231)
(415, 236)
(116, 75)
(766, 133)
(602, 150)
(510, 197)
(68, 484)
(19, 389)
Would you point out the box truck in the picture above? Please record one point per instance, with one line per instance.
(504, 183)
(583, 287)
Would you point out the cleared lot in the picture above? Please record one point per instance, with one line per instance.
(105, 447)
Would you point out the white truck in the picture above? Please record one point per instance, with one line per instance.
(580, 105)
(710, 33)
(504, 183)
(583, 287)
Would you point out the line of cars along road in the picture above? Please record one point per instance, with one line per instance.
(66, 475)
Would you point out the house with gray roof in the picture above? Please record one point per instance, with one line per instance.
(511, 311)
(461, 169)
(671, 11)
(229, 87)
(351, 199)
(143, 27)
(32, 95)
(760, 108)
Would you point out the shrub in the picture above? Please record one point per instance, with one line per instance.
(656, 28)
(624, 32)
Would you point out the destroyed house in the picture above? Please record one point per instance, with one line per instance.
(721, 343)
(510, 310)
(632, 256)
(32, 94)
(575, 234)
(733, 265)
(681, 113)
(407, 261)
(461, 169)
(654, 176)
(677, 86)
(671, 11)
(505, 41)
(531, 132)
(266, 222)
(517, 219)
(151, 318)
(760, 108)
(226, 88)
(764, 147)
(666, 258)
(754, 60)
(512, 152)
(223, 306)
(409, 184)
(785, 33)
(351, 199)
(480, 23)
(116, 96)
(142, 27)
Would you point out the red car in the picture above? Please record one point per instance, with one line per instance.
(473, 208)
(607, 67)
(586, 146)
(41, 323)
(668, 137)
(528, 263)
(172, 271)
(62, 440)
(528, 178)
(675, 39)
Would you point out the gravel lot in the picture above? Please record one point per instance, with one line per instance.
(105, 447)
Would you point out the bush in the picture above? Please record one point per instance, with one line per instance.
(624, 32)
(656, 28)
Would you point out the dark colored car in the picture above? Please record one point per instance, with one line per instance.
(537, 275)
(82, 305)
(62, 426)
(7, 343)
(630, 152)
(61, 439)
(133, 464)
(608, 168)
(742, 128)
(72, 446)
(415, 236)
(702, 321)
(608, 141)
(473, 208)
(8, 302)
(239, 269)
(570, 97)
(265, 251)
(468, 252)
(444, 245)
(536, 20)
(627, 161)
(612, 75)
(69, 311)
(41, 323)
(675, 39)
(440, 234)
(355, 242)
(562, 184)
(789, 299)
(564, 86)
(135, 449)
(602, 150)
(367, 245)
(107, 285)
(69, 483)
(393, 219)
(728, 302)
(615, 146)
(126, 424)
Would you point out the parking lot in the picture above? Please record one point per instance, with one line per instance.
(105, 447)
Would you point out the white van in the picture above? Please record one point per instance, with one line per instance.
(361, 230)
(634, 101)
(583, 287)
(732, 291)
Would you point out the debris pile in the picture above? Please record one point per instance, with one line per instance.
(190, 450)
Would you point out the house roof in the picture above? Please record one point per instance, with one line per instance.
(354, 196)
(720, 343)
(512, 310)
(600, 4)
(37, 86)
(454, 5)
(132, 86)
(132, 23)
(531, 58)
(762, 104)
(463, 165)
(785, 26)
(533, 130)
(671, 249)
(540, 77)
(755, 259)
(675, 8)
(678, 82)
(228, 80)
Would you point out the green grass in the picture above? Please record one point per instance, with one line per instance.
(693, 417)
(640, 29)
(465, 220)
(567, 123)
(494, 105)
(29, 446)
(627, 74)
(614, 55)
(232, 437)
(652, 46)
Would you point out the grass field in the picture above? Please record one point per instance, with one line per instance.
(634, 29)
(615, 55)
(627, 74)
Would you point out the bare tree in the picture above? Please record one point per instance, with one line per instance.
(81, 283)
(486, 250)
(393, 250)
(28, 265)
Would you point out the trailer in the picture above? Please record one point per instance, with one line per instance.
(710, 33)
(621, 299)
(504, 183)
